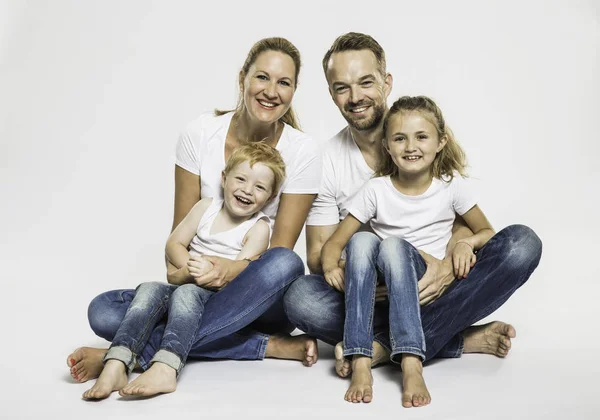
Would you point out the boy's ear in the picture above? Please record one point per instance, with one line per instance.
(223, 176)
(443, 142)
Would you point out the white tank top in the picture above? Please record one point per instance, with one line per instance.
(226, 244)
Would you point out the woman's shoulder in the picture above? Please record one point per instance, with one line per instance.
(207, 123)
(298, 144)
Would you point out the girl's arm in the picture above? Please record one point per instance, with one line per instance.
(463, 256)
(332, 251)
(176, 249)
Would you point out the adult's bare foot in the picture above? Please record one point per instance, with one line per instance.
(493, 338)
(414, 390)
(343, 366)
(300, 347)
(361, 387)
(112, 378)
(159, 379)
(85, 363)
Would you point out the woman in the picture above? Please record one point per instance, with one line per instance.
(267, 81)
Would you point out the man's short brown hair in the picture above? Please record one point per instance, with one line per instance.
(355, 41)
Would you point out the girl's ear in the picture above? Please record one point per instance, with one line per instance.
(384, 143)
(443, 141)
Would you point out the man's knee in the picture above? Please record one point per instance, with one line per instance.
(524, 248)
(106, 311)
(307, 297)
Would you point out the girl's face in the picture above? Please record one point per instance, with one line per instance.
(268, 87)
(246, 189)
(413, 142)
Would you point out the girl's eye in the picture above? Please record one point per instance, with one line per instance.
(422, 137)
(399, 139)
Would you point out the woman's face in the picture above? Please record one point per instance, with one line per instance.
(268, 87)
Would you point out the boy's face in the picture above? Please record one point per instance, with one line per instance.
(246, 189)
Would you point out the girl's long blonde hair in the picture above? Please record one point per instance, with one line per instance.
(281, 45)
(447, 161)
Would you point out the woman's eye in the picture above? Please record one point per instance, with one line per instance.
(285, 83)
(262, 77)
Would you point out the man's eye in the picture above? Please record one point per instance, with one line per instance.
(340, 89)
(367, 84)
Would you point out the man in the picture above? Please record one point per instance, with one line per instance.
(359, 85)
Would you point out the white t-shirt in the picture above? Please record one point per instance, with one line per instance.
(344, 172)
(201, 151)
(226, 244)
(424, 220)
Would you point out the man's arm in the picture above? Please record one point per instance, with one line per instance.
(316, 236)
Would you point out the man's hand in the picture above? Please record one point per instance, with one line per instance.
(224, 270)
(335, 278)
(437, 278)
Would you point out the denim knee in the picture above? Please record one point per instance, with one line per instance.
(362, 241)
(395, 251)
(524, 249)
(106, 311)
(188, 294)
(310, 299)
(281, 265)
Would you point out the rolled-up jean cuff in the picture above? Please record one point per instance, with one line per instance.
(168, 358)
(358, 350)
(461, 346)
(123, 354)
(262, 349)
(410, 350)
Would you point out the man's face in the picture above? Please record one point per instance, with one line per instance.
(358, 88)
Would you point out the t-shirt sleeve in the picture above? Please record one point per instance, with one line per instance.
(186, 153)
(306, 176)
(465, 195)
(324, 210)
(363, 205)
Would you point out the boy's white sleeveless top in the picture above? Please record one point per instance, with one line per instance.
(226, 244)
(425, 220)
(201, 151)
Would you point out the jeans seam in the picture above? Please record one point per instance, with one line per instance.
(407, 349)
(359, 350)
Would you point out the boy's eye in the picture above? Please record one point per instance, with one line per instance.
(260, 187)
(239, 178)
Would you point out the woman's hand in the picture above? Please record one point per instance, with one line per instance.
(222, 273)
(463, 259)
(335, 278)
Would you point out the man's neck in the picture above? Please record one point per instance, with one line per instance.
(369, 144)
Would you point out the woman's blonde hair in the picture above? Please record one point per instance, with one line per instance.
(281, 45)
(259, 152)
(448, 160)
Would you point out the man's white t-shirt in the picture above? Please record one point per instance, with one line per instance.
(344, 172)
(201, 151)
(425, 220)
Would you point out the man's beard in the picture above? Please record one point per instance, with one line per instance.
(365, 124)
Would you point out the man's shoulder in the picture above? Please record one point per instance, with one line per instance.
(339, 143)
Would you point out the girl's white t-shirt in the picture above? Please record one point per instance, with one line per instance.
(425, 221)
(201, 151)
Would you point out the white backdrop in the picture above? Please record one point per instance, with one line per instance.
(93, 95)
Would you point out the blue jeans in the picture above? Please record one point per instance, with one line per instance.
(184, 305)
(237, 319)
(401, 266)
(503, 265)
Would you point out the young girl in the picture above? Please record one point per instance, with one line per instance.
(233, 228)
(411, 206)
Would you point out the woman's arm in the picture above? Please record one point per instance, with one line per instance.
(187, 194)
(463, 256)
(332, 251)
(290, 218)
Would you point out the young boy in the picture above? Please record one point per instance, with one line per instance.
(234, 228)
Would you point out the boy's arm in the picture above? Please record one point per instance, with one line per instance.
(256, 241)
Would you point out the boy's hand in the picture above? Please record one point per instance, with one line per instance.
(335, 278)
(463, 259)
(198, 266)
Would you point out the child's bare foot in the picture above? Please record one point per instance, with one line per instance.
(159, 379)
(112, 378)
(299, 347)
(361, 387)
(492, 338)
(414, 390)
(343, 367)
(86, 363)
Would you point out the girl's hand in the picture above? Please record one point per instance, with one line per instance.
(335, 278)
(463, 259)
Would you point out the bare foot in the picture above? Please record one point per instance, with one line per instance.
(414, 390)
(299, 347)
(361, 387)
(159, 379)
(343, 367)
(86, 363)
(492, 338)
(112, 378)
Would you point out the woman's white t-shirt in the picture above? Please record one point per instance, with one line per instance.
(425, 221)
(201, 151)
